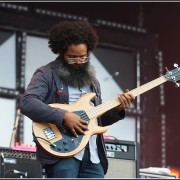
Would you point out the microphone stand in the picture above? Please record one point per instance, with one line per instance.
(2, 165)
(12, 142)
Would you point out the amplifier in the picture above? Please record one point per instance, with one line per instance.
(123, 159)
(16, 164)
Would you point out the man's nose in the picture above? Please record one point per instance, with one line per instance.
(78, 61)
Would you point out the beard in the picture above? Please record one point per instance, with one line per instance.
(76, 75)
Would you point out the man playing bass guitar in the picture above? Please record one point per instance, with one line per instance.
(70, 80)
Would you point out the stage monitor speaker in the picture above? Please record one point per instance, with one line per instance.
(19, 164)
(123, 159)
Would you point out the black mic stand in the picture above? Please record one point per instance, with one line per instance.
(2, 165)
(16, 123)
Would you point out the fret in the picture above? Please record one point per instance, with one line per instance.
(102, 108)
(141, 89)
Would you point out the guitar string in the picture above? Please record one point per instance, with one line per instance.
(83, 115)
(112, 103)
(91, 113)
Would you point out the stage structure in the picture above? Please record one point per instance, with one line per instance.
(126, 57)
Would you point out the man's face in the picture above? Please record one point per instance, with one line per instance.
(76, 55)
(75, 67)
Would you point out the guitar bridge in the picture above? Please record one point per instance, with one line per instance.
(49, 133)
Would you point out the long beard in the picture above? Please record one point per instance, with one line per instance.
(76, 75)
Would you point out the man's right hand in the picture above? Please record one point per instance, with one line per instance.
(75, 123)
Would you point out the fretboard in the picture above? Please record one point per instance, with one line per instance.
(104, 107)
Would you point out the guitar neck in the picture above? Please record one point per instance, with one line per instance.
(102, 108)
(150, 85)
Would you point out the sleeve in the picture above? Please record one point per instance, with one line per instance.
(112, 116)
(32, 102)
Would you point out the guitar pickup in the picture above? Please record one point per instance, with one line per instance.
(49, 133)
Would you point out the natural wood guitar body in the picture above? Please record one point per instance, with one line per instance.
(82, 104)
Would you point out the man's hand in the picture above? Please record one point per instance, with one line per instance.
(75, 123)
(126, 99)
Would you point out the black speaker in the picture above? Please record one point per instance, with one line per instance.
(19, 164)
(123, 159)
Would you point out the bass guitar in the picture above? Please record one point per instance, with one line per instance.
(60, 142)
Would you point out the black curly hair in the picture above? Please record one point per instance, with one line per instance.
(66, 33)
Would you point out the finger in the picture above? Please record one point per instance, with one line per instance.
(79, 130)
(83, 121)
(129, 96)
(83, 127)
(74, 132)
(127, 99)
(123, 100)
(132, 97)
(127, 90)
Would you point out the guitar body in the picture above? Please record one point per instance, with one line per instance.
(66, 145)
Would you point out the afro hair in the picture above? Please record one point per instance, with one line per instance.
(66, 33)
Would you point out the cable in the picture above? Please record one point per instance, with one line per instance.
(51, 144)
(20, 172)
(14, 171)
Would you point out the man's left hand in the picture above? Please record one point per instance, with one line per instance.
(126, 99)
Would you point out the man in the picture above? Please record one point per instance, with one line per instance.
(64, 81)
